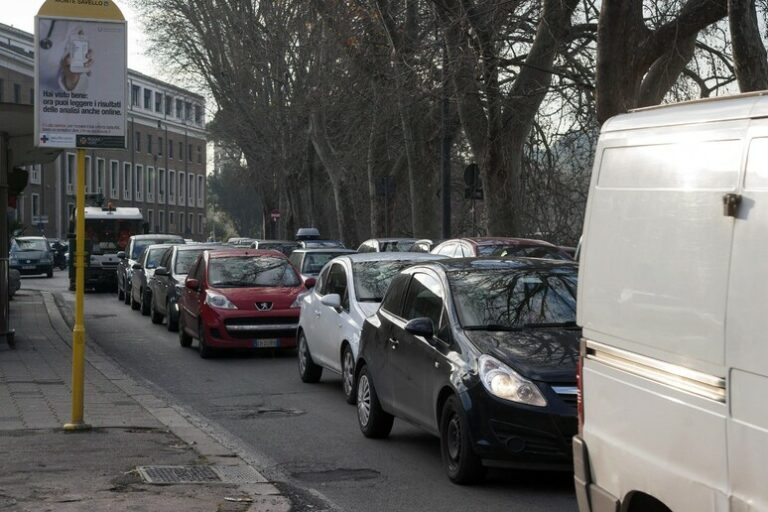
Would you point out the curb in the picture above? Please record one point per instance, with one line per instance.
(266, 497)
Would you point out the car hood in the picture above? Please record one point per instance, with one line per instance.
(28, 255)
(545, 354)
(246, 298)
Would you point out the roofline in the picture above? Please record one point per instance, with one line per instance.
(713, 99)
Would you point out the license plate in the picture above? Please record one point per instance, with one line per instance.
(28, 267)
(266, 343)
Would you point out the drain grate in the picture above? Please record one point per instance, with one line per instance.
(178, 474)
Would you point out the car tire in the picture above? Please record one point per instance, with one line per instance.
(144, 303)
(172, 324)
(461, 463)
(309, 372)
(49, 274)
(205, 350)
(348, 375)
(374, 421)
(126, 293)
(155, 315)
(185, 340)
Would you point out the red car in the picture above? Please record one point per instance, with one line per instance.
(240, 298)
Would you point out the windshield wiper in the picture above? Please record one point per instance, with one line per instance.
(491, 327)
(570, 324)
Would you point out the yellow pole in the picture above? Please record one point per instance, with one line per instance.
(78, 333)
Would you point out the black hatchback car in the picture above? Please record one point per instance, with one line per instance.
(480, 352)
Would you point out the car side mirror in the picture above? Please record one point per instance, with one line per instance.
(420, 327)
(310, 283)
(137, 266)
(162, 271)
(332, 300)
(121, 255)
(192, 284)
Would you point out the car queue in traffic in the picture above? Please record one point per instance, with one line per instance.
(475, 341)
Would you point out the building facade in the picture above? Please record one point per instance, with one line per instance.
(162, 171)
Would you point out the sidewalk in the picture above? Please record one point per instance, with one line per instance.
(43, 468)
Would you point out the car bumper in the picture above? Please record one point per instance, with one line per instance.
(506, 434)
(590, 497)
(244, 329)
(33, 268)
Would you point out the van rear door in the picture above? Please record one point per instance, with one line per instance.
(747, 333)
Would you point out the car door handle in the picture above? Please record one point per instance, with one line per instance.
(394, 342)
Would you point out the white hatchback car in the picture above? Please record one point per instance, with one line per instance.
(348, 290)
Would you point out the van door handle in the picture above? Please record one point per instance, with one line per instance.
(394, 342)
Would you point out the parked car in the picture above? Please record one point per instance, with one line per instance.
(143, 270)
(488, 246)
(672, 300)
(240, 298)
(320, 244)
(480, 352)
(135, 246)
(309, 262)
(424, 245)
(31, 255)
(284, 246)
(348, 290)
(167, 282)
(524, 250)
(387, 245)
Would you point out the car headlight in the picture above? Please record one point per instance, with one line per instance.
(502, 381)
(218, 301)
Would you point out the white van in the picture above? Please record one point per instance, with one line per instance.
(673, 301)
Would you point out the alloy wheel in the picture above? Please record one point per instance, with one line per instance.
(363, 400)
(348, 372)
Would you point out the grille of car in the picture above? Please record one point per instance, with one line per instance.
(520, 439)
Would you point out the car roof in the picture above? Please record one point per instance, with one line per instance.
(393, 239)
(201, 246)
(393, 256)
(276, 241)
(463, 264)
(342, 250)
(501, 240)
(229, 253)
(157, 236)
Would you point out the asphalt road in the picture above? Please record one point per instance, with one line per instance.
(304, 435)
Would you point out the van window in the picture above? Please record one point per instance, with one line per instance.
(712, 165)
(757, 164)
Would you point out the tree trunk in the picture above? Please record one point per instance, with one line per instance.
(749, 56)
(371, 164)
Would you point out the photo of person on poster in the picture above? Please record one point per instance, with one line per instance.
(66, 55)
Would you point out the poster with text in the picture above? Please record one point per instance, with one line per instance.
(80, 83)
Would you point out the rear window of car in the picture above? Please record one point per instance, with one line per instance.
(314, 262)
(184, 260)
(140, 245)
(21, 245)
(372, 278)
(251, 272)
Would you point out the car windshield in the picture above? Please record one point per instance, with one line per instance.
(21, 245)
(372, 278)
(314, 262)
(319, 244)
(396, 246)
(140, 245)
(184, 260)
(532, 251)
(154, 257)
(493, 300)
(251, 272)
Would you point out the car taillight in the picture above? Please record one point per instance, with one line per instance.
(580, 386)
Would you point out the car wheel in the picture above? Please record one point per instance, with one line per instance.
(172, 321)
(308, 370)
(144, 304)
(461, 463)
(155, 315)
(135, 305)
(49, 274)
(126, 293)
(348, 374)
(185, 340)
(205, 350)
(374, 421)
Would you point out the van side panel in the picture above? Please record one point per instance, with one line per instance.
(747, 333)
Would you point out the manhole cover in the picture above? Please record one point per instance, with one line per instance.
(178, 474)
(336, 475)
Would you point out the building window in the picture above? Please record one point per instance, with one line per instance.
(158, 102)
(34, 174)
(149, 143)
(179, 108)
(100, 175)
(189, 152)
(201, 223)
(71, 211)
(35, 208)
(171, 221)
(187, 111)
(148, 99)
(127, 181)
(151, 221)
(170, 148)
(198, 114)
(135, 95)
(16, 93)
(70, 173)
(139, 182)
(114, 179)
(137, 141)
(161, 221)
(181, 150)
(161, 185)
(199, 154)
(181, 223)
(191, 189)
(88, 175)
(182, 188)
(160, 143)
(150, 184)
(191, 224)
(200, 188)
(171, 187)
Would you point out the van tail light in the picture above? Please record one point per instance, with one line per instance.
(580, 385)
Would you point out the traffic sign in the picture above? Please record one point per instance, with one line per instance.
(80, 75)
(275, 215)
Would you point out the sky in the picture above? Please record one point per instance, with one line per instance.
(21, 14)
